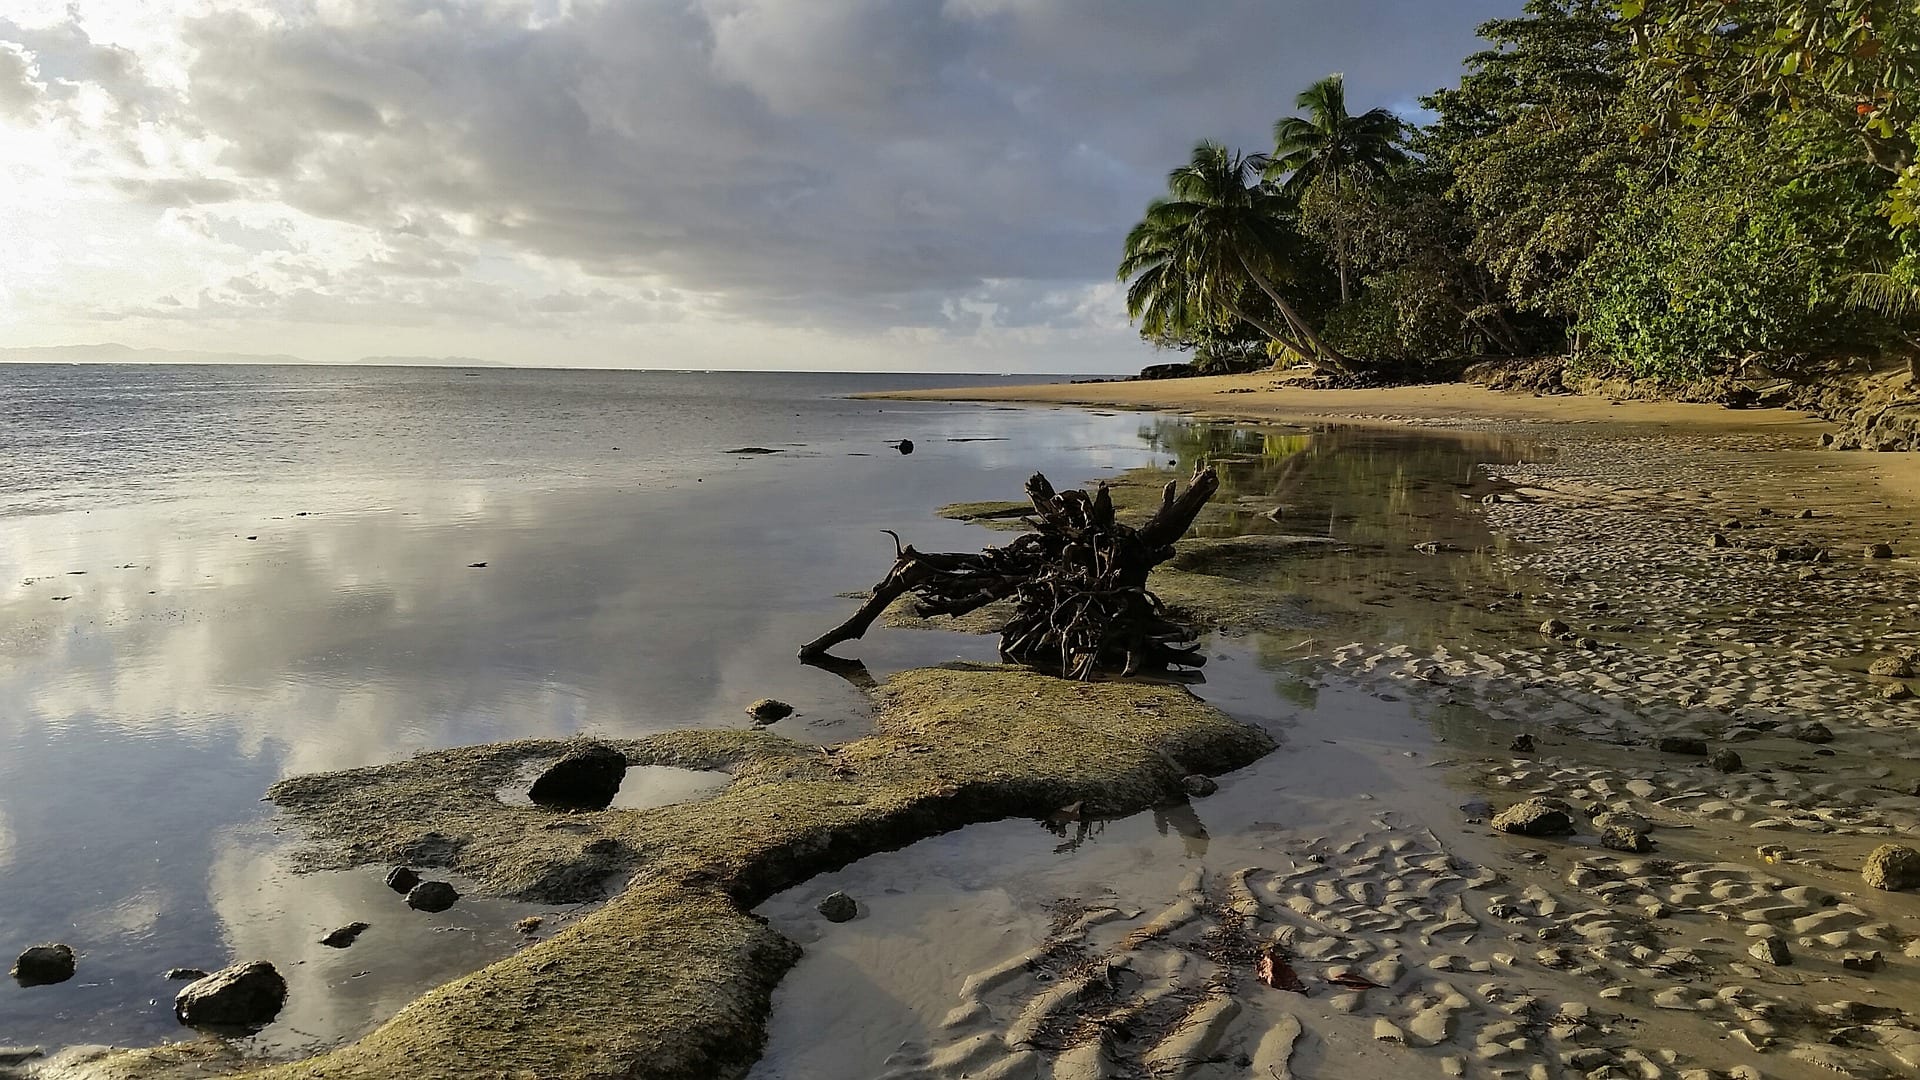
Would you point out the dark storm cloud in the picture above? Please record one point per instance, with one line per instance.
(793, 157)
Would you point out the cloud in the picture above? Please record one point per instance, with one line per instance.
(858, 166)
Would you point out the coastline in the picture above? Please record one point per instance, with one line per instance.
(422, 1025)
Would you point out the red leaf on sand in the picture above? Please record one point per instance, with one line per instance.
(1353, 982)
(1275, 972)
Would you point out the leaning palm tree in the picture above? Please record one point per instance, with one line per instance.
(1220, 229)
(1332, 149)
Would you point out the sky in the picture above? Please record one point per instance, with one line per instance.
(811, 184)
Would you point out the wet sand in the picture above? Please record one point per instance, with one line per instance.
(1716, 593)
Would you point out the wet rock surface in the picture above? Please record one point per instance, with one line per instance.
(838, 907)
(44, 965)
(1536, 817)
(432, 896)
(769, 710)
(239, 997)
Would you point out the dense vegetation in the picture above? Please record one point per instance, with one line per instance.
(1671, 188)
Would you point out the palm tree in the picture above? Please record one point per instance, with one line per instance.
(1219, 229)
(1331, 148)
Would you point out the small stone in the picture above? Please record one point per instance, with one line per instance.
(1861, 961)
(1719, 540)
(242, 996)
(905, 446)
(1522, 744)
(1892, 867)
(189, 974)
(585, 779)
(1536, 817)
(769, 710)
(837, 907)
(1879, 551)
(343, 937)
(1724, 760)
(529, 925)
(1897, 692)
(402, 879)
(432, 896)
(1621, 838)
(44, 965)
(1622, 819)
(1892, 667)
(1771, 950)
(1805, 515)
(1682, 744)
(1813, 731)
(1554, 628)
(1730, 524)
(1199, 786)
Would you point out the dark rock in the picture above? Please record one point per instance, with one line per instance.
(1719, 540)
(1893, 867)
(1897, 692)
(585, 779)
(1879, 551)
(176, 974)
(1891, 667)
(768, 710)
(1731, 524)
(1725, 761)
(1536, 817)
(431, 896)
(44, 965)
(1682, 744)
(1554, 628)
(905, 446)
(1771, 950)
(18, 1055)
(343, 937)
(402, 879)
(1813, 731)
(1477, 810)
(1805, 515)
(1199, 786)
(1621, 838)
(242, 996)
(750, 450)
(838, 907)
(1522, 744)
(1861, 961)
(1786, 553)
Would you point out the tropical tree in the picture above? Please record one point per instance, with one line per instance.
(1334, 151)
(1219, 232)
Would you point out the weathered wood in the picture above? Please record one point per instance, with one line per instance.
(1078, 580)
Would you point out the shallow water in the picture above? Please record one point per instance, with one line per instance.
(211, 579)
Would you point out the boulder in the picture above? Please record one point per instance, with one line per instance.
(1865, 962)
(1199, 786)
(838, 907)
(1622, 819)
(1536, 817)
(1893, 867)
(1771, 950)
(1682, 744)
(1521, 744)
(585, 779)
(1621, 838)
(345, 936)
(242, 996)
(1724, 760)
(768, 710)
(1719, 540)
(1879, 551)
(1892, 667)
(1813, 731)
(1554, 628)
(44, 965)
(402, 879)
(1897, 692)
(432, 896)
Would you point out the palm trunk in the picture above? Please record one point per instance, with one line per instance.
(1340, 259)
(1323, 353)
(1270, 330)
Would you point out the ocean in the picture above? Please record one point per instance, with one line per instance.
(215, 577)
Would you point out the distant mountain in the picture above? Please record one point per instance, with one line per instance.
(115, 353)
(428, 361)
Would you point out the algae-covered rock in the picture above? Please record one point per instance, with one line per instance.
(1536, 817)
(1893, 867)
(44, 965)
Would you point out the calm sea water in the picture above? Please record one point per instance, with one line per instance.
(212, 578)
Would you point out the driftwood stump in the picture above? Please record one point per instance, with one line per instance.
(1078, 579)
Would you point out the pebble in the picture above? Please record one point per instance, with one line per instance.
(837, 907)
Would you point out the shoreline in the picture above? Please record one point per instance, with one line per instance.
(417, 1023)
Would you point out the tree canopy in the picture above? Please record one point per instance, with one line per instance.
(1670, 188)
